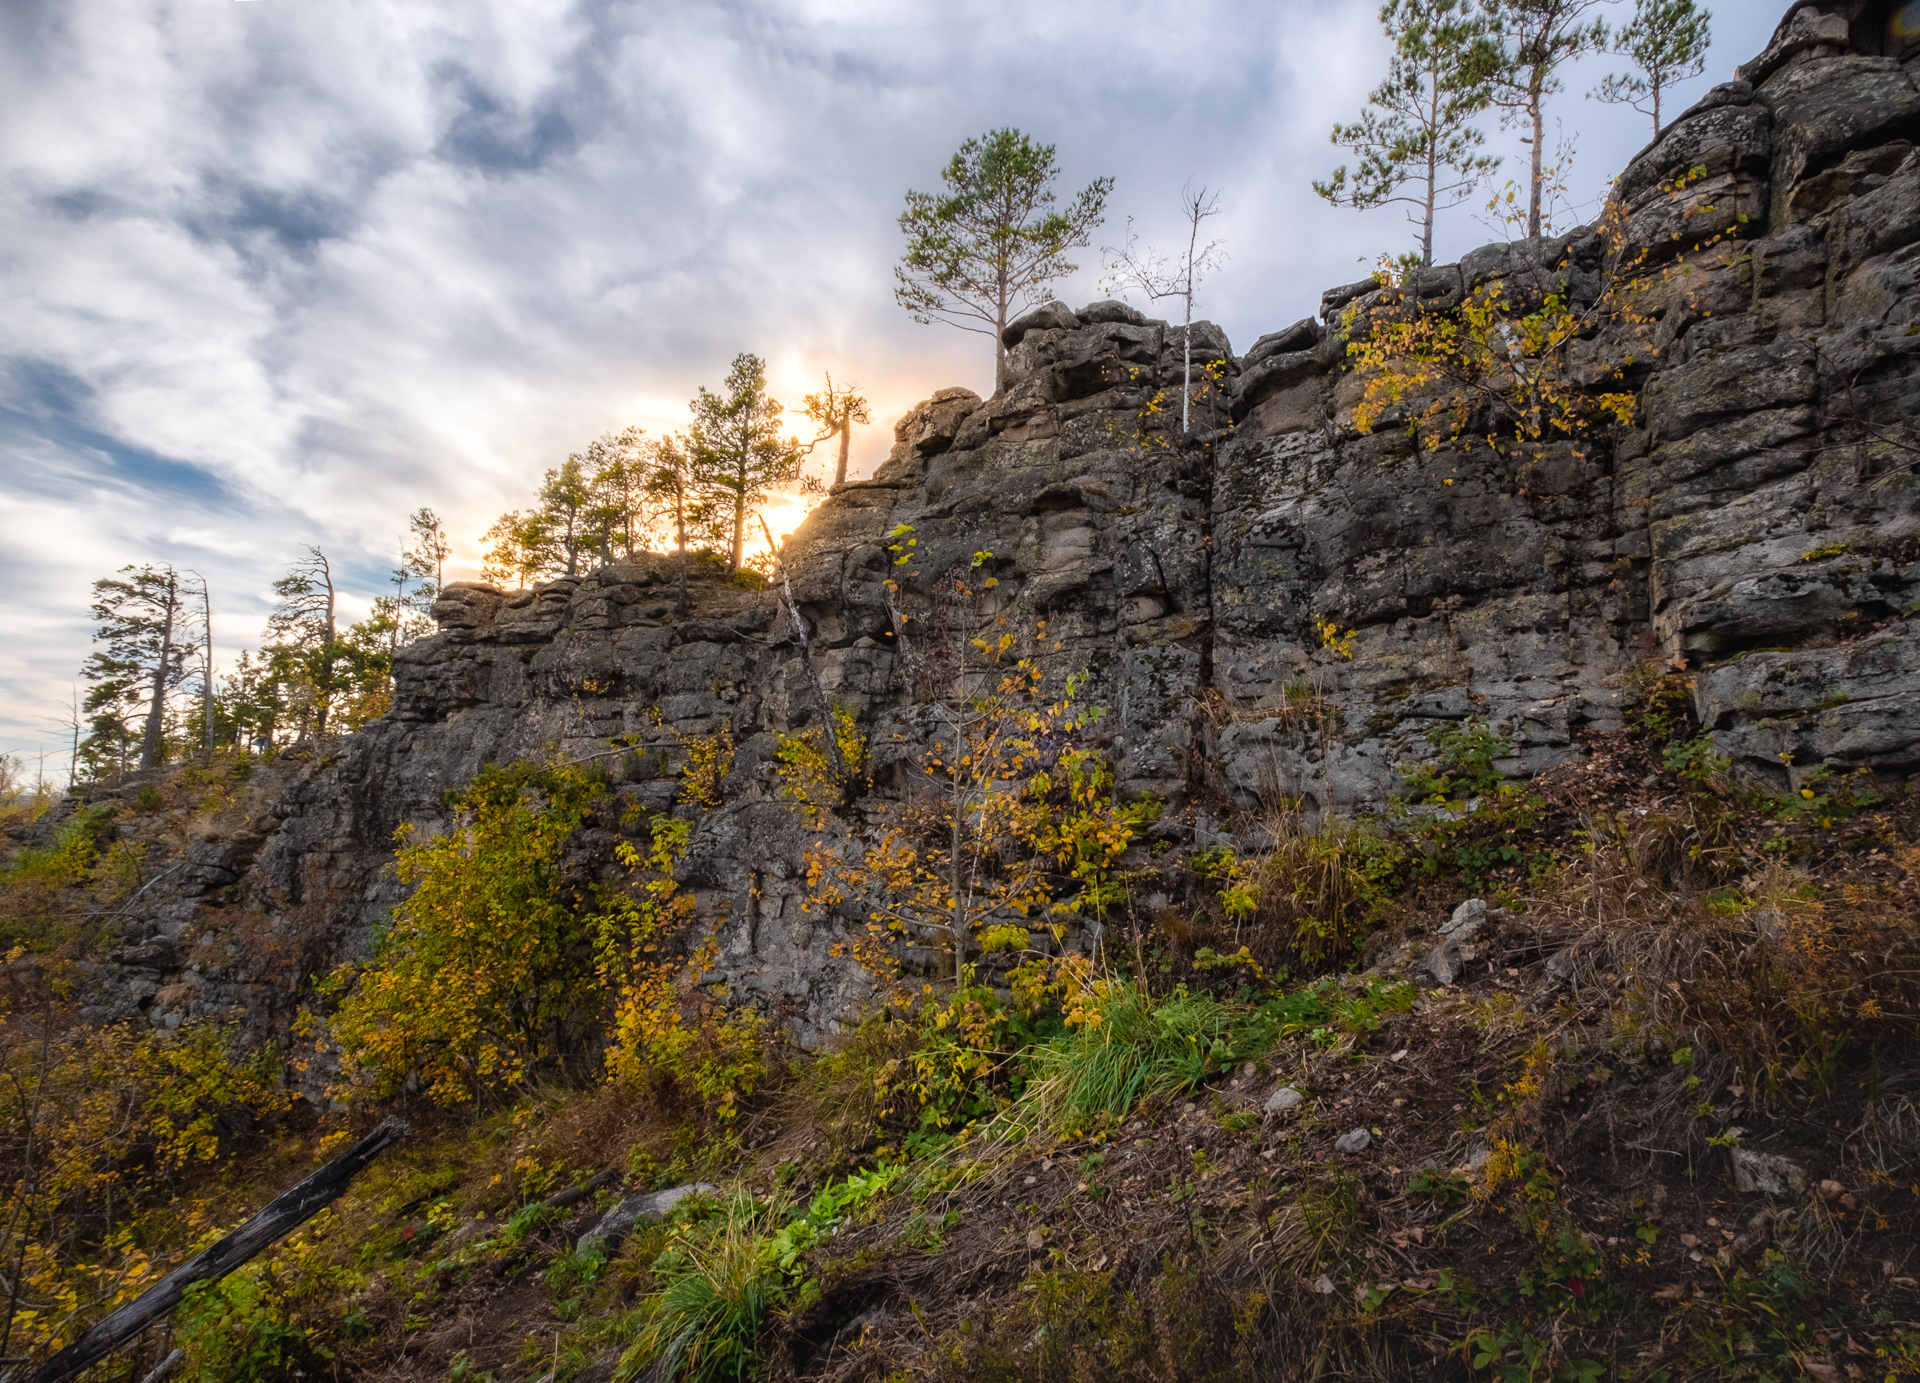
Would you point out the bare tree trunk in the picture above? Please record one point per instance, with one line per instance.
(846, 437)
(1001, 303)
(156, 713)
(1426, 224)
(827, 724)
(1186, 363)
(1533, 197)
(680, 534)
(959, 924)
(326, 654)
(206, 690)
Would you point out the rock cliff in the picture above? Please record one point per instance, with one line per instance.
(1757, 522)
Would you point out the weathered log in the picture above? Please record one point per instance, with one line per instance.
(573, 1195)
(283, 1214)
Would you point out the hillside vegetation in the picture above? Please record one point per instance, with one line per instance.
(1665, 1122)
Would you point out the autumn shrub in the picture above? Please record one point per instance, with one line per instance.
(808, 773)
(1505, 365)
(485, 976)
(508, 963)
(66, 859)
(1009, 823)
(99, 1130)
(21, 804)
(668, 1026)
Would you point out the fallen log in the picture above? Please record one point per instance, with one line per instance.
(283, 1214)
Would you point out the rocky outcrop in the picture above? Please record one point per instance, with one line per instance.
(1756, 523)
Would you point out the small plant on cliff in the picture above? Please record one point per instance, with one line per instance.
(1007, 822)
(1135, 266)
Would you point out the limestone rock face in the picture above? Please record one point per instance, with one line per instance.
(1759, 519)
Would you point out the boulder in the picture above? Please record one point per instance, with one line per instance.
(1108, 310)
(1050, 316)
(1444, 962)
(614, 1226)
(1467, 919)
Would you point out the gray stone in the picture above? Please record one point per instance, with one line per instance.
(1767, 1173)
(1444, 962)
(1283, 1099)
(1107, 310)
(618, 1222)
(1334, 299)
(1357, 1141)
(1467, 919)
(1050, 316)
(1303, 335)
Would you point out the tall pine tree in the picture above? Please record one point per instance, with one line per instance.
(1416, 143)
(1667, 41)
(987, 245)
(737, 451)
(145, 641)
(1538, 37)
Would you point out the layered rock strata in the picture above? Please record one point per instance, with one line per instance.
(1756, 524)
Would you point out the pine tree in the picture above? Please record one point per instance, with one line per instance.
(518, 549)
(836, 410)
(1416, 144)
(1667, 40)
(426, 561)
(308, 654)
(737, 452)
(568, 521)
(618, 512)
(145, 638)
(1538, 36)
(687, 508)
(987, 245)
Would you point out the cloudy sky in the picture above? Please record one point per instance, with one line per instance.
(277, 272)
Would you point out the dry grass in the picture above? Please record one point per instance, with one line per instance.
(1319, 889)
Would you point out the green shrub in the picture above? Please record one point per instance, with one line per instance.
(234, 1331)
(719, 1286)
(1127, 1049)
